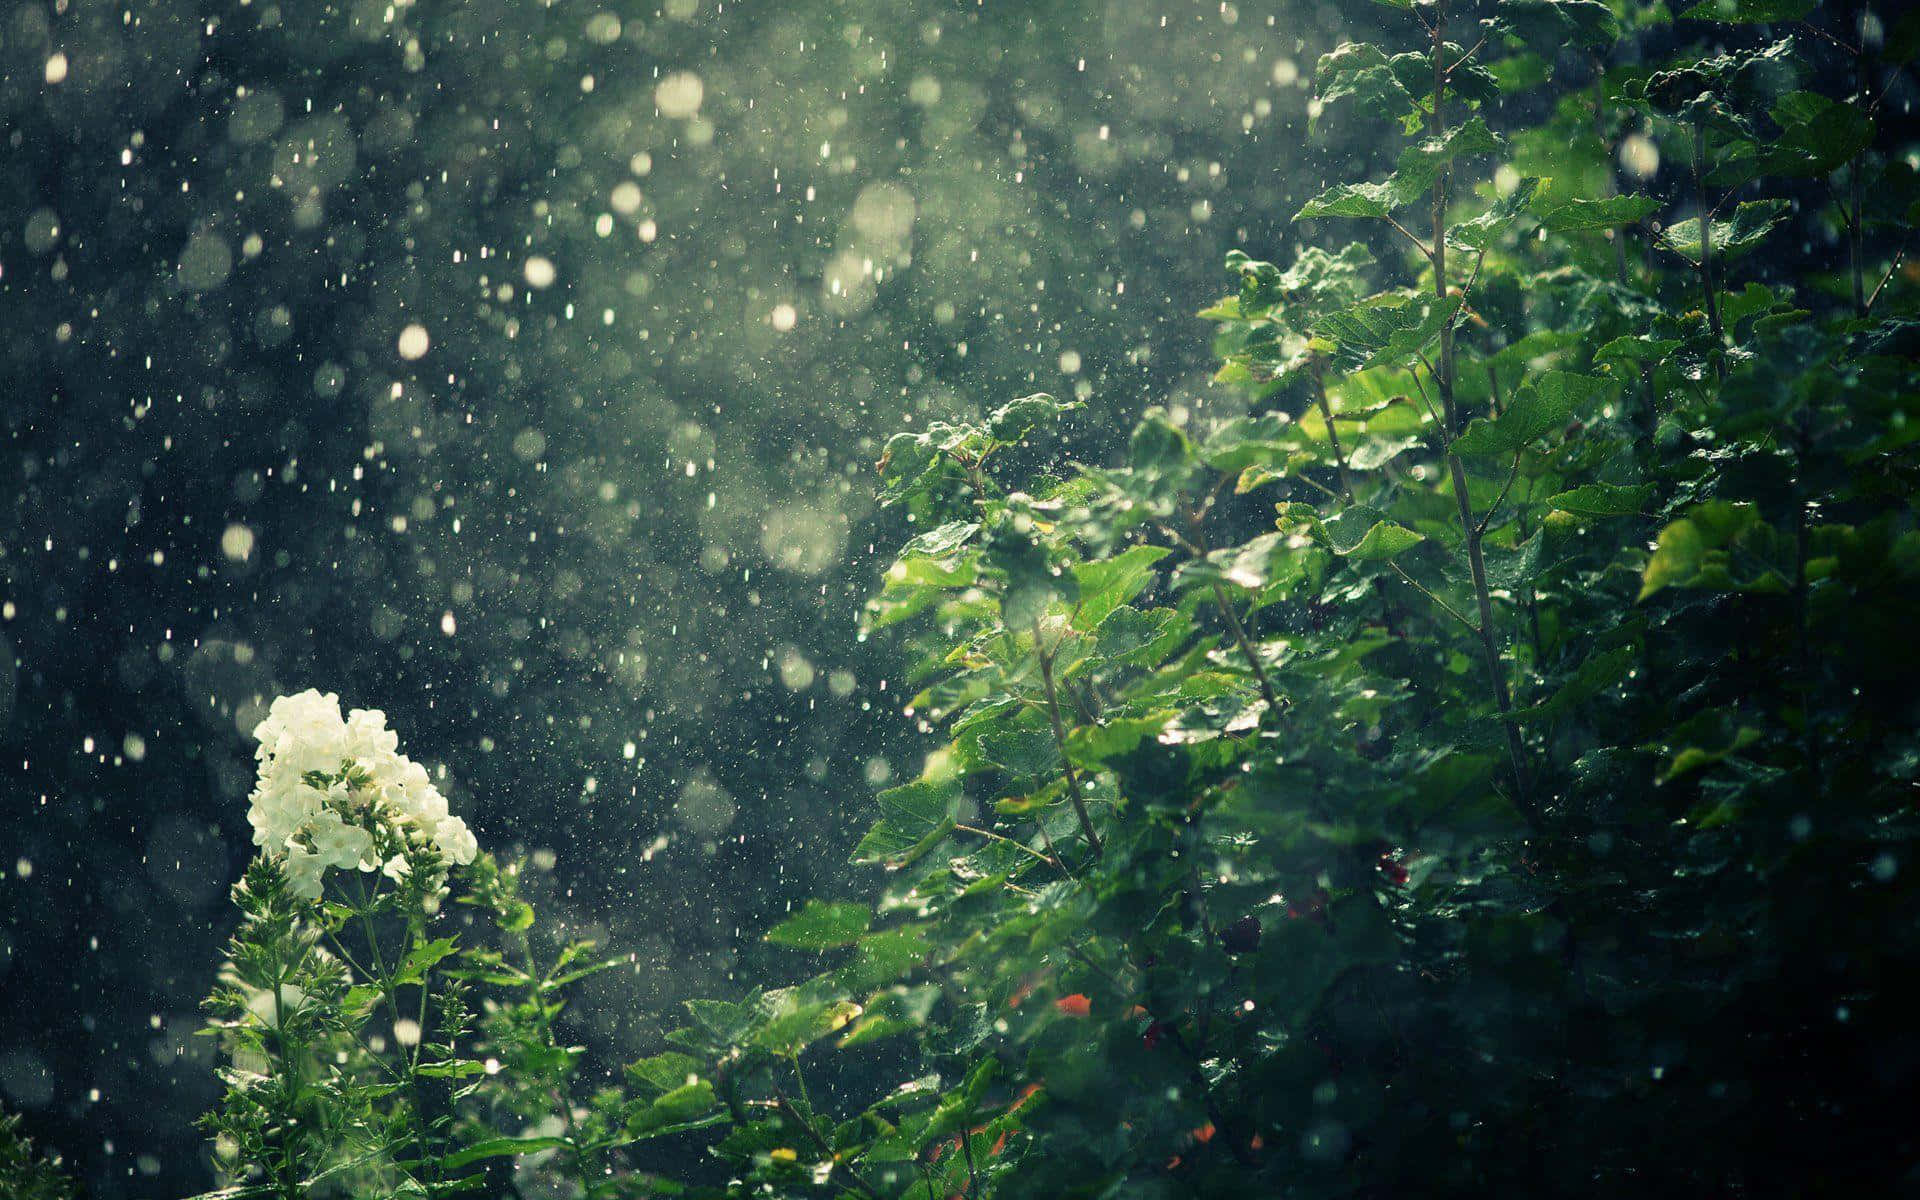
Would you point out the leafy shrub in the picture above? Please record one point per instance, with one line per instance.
(27, 1173)
(1486, 766)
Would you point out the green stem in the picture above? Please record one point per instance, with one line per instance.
(1060, 740)
(523, 946)
(1020, 846)
(1333, 435)
(290, 1055)
(1706, 236)
(1245, 643)
(834, 1165)
(1443, 372)
(423, 1139)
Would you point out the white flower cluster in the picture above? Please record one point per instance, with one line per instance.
(336, 792)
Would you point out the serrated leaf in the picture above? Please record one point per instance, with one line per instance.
(1751, 222)
(1106, 584)
(673, 1111)
(1817, 136)
(1385, 329)
(822, 926)
(500, 1147)
(1419, 165)
(1350, 200)
(1097, 743)
(1383, 540)
(1546, 403)
(1718, 545)
(1015, 419)
(1575, 215)
(1551, 24)
(663, 1072)
(1360, 71)
(1021, 753)
(1479, 232)
(1602, 500)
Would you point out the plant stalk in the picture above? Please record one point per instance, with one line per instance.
(1333, 435)
(1706, 236)
(1246, 647)
(1060, 740)
(1443, 372)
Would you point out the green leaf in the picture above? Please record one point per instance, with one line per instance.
(1106, 584)
(1595, 675)
(1817, 136)
(1015, 419)
(1360, 533)
(918, 816)
(672, 1112)
(1021, 753)
(458, 1068)
(501, 1147)
(1724, 89)
(1159, 447)
(1718, 545)
(1479, 232)
(1575, 215)
(1360, 72)
(1090, 744)
(1351, 200)
(1551, 24)
(1390, 328)
(1014, 547)
(1602, 500)
(423, 958)
(1383, 540)
(1544, 404)
(942, 541)
(1751, 222)
(822, 926)
(1420, 164)
(1706, 739)
(663, 1072)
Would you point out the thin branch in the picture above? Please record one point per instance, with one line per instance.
(1424, 590)
(1017, 845)
(1898, 258)
(1333, 435)
(786, 1108)
(1426, 401)
(1465, 58)
(1317, 486)
(1512, 474)
(1246, 647)
(1443, 383)
(1410, 236)
(1473, 277)
(1706, 242)
(1823, 35)
(1060, 739)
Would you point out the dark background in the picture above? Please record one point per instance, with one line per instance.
(600, 551)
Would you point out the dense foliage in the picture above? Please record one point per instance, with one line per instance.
(1484, 766)
(26, 1172)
